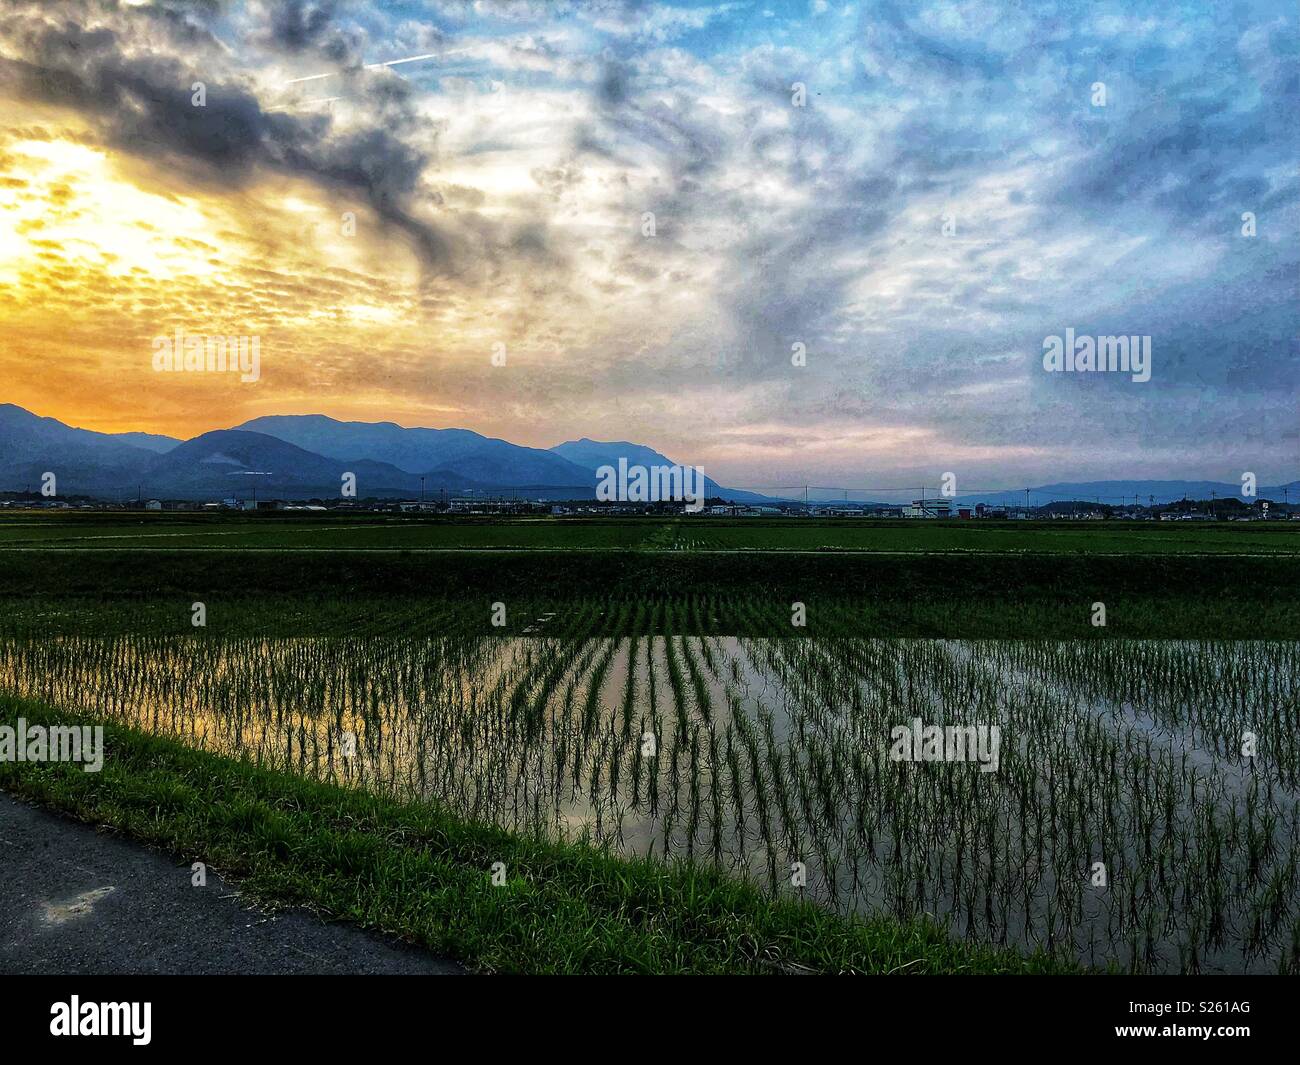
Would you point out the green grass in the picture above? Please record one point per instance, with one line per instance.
(179, 532)
(280, 574)
(845, 594)
(415, 871)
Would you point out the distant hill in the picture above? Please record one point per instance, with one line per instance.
(83, 461)
(1117, 493)
(288, 456)
(230, 462)
(26, 436)
(593, 454)
(301, 456)
(445, 455)
(148, 441)
(412, 450)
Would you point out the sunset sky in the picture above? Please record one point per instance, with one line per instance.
(500, 182)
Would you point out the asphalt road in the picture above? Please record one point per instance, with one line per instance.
(73, 901)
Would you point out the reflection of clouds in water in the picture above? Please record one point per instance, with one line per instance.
(775, 750)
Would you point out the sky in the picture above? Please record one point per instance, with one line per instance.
(796, 242)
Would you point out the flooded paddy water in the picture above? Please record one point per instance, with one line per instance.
(1144, 811)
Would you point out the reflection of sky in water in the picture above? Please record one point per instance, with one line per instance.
(769, 751)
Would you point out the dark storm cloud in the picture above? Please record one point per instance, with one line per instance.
(128, 78)
(298, 27)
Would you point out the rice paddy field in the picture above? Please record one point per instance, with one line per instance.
(1144, 813)
(284, 531)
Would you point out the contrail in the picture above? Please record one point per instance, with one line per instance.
(386, 63)
(306, 103)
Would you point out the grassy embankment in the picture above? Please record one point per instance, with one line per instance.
(414, 871)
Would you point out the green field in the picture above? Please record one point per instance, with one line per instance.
(280, 575)
(697, 704)
(336, 532)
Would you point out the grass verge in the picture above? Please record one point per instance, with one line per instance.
(414, 871)
(949, 596)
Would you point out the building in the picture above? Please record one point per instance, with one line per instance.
(929, 508)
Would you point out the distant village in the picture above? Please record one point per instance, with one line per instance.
(1225, 509)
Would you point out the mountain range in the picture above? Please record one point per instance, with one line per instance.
(1118, 493)
(304, 456)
